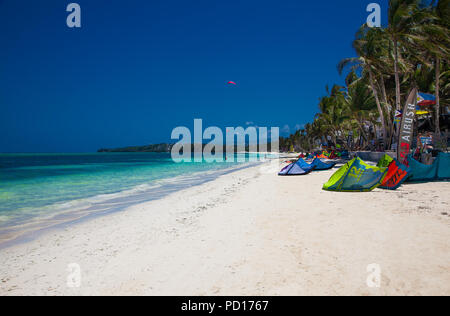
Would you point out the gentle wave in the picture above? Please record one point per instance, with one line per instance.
(67, 212)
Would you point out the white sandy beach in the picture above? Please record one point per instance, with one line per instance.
(248, 233)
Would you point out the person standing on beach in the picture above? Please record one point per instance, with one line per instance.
(418, 152)
(428, 143)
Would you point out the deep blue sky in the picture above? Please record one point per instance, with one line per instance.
(137, 69)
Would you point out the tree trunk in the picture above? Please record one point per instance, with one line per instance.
(388, 109)
(380, 110)
(398, 105)
(392, 136)
(361, 128)
(383, 89)
(438, 110)
(334, 138)
(345, 140)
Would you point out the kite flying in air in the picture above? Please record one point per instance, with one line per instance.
(232, 82)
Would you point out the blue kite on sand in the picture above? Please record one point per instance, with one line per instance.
(294, 169)
(317, 164)
(438, 171)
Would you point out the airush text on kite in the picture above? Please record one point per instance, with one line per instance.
(208, 144)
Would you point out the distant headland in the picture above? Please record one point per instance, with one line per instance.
(165, 148)
(155, 148)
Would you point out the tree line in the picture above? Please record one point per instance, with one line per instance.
(413, 50)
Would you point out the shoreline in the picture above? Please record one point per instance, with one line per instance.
(248, 233)
(104, 204)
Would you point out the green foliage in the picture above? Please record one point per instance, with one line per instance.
(412, 50)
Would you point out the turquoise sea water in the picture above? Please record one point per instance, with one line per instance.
(41, 190)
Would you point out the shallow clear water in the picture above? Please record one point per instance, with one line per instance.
(39, 190)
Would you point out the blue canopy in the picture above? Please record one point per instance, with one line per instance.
(317, 164)
(321, 165)
(304, 165)
(439, 170)
(294, 169)
(444, 166)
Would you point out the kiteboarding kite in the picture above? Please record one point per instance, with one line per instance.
(356, 176)
(294, 169)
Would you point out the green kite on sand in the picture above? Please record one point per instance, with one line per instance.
(385, 161)
(356, 176)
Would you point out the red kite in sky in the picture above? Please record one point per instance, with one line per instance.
(232, 82)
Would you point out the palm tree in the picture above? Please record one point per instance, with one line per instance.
(399, 30)
(334, 114)
(439, 36)
(309, 132)
(362, 106)
(432, 44)
(415, 44)
(370, 47)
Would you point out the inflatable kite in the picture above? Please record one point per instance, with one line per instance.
(396, 174)
(317, 164)
(294, 169)
(438, 171)
(385, 161)
(356, 176)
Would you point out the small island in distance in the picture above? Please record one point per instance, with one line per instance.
(165, 148)
(155, 148)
